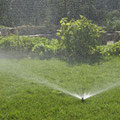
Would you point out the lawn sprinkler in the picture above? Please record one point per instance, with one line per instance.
(82, 99)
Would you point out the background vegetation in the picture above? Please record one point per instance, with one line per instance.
(39, 12)
(29, 45)
(78, 38)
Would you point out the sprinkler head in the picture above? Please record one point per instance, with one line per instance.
(82, 99)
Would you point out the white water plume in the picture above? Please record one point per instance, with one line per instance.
(106, 89)
(24, 73)
(56, 87)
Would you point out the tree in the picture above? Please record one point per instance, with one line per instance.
(113, 20)
(19, 12)
(73, 8)
(28, 12)
(4, 8)
(113, 4)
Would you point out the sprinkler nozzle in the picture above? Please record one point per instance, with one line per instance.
(82, 99)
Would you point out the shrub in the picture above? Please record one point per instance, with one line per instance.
(45, 46)
(78, 37)
(107, 50)
(37, 45)
(17, 43)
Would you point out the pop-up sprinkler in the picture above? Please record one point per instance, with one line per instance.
(82, 99)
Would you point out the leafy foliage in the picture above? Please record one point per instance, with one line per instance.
(111, 49)
(16, 43)
(39, 12)
(43, 46)
(37, 45)
(113, 20)
(4, 9)
(79, 36)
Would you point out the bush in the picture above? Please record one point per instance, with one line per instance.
(45, 46)
(37, 45)
(78, 37)
(17, 43)
(107, 50)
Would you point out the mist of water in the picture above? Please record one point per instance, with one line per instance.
(21, 71)
(57, 87)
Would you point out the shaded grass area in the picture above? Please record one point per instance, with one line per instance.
(25, 96)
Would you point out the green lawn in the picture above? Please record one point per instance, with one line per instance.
(32, 89)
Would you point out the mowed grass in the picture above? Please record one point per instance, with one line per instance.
(28, 90)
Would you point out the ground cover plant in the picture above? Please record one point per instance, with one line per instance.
(28, 89)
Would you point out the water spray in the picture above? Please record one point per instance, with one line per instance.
(28, 75)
